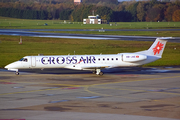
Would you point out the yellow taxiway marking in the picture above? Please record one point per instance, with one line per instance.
(87, 88)
(135, 80)
(93, 85)
(100, 94)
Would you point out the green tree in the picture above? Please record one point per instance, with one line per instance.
(176, 16)
(132, 8)
(169, 11)
(43, 15)
(88, 10)
(161, 8)
(65, 14)
(153, 2)
(140, 11)
(153, 14)
(77, 13)
(101, 11)
(121, 16)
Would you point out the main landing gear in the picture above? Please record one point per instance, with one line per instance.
(16, 73)
(98, 72)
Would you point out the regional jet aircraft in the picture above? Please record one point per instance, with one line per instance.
(92, 62)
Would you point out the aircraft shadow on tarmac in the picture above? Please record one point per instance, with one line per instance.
(133, 70)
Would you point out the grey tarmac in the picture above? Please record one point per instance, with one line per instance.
(139, 93)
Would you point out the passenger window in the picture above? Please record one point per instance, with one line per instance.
(112, 59)
(108, 59)
(116, 58)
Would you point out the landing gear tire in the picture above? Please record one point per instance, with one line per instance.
(17, 73)
(101, 73)
(98, 72)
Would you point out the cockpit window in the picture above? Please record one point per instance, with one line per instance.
(24, 59)
(21, 59)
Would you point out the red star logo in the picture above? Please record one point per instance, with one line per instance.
(158, 48)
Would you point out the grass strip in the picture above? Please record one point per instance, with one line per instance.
(11, 50)
(13, 23)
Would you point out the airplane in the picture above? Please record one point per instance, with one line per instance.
(92, 62)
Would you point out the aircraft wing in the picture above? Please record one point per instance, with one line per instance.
(96, 67)
(89, 67)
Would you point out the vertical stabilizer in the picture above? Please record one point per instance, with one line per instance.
(157, 47)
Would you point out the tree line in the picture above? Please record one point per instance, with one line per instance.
(131, 11)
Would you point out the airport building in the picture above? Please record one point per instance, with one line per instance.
(94, 20)
(77, 2)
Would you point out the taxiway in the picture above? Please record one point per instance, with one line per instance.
(148, 94)
(31, 33)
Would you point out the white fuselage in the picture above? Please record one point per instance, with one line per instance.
(92, 62)
(82, 62)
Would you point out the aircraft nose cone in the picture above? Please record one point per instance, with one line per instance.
(11, 66)
(7, 66)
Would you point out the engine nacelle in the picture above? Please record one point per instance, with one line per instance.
(133, 57)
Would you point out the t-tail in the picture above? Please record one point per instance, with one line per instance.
(156, 48)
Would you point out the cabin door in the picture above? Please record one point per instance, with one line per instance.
(33, 61)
